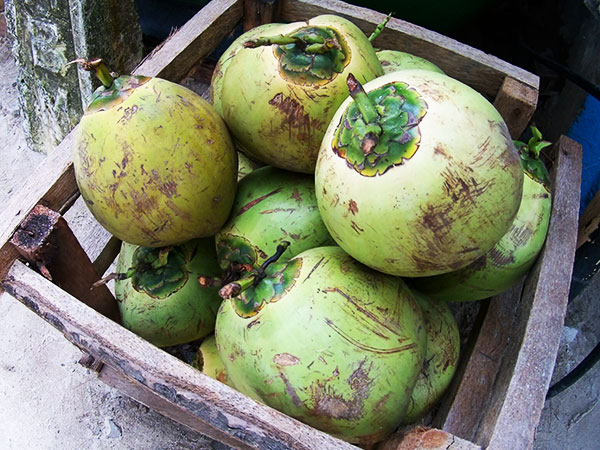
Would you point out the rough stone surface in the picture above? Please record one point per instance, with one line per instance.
(45, 37)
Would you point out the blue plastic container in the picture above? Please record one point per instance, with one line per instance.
(586, 130)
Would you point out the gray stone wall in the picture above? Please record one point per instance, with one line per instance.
(46, 35)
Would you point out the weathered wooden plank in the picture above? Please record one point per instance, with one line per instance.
(107, 255)
(258, 12)
(193, 42)
(482, 71)
(46, 241)
(461, 409)
(148, 397)
(227, 415)
(51, 184)
(516, 103)
(520, 389)
(425, 438)
(589, 221)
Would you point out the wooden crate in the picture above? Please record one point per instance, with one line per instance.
(498, 392)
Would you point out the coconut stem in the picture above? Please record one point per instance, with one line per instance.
(162, 259)
(98, 67)
(234, 272)
(308, 44)
(118, 276)
(380, 28)
(235, 288)
(364, 103)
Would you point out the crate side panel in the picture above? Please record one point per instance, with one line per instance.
(460, 413)
(520, 390)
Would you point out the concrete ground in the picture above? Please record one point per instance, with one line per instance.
(49, 401)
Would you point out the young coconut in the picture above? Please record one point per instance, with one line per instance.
(158, 293)
(216, 83)
(419, 176)
(208, 361)
(279, 93)
(394, 60)
(246, 165)
(154, 162)
(271, 205)
(325, 340)
(514, 254)
(441, 357)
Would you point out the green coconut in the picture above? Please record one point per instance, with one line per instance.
(158, 293)
(279, 92)
(215, 91)
(246, 165)
(325, 340)
(441, 357)
(209, 362)
(509, 260)
(394, 60)
(417, 174)
(154, 162)
(271, 206)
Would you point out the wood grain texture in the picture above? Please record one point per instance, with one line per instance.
(259, 12)
(425, 438)
(516, 103)
(51, 184)
(46, 241)
(520, 388)
(589, 221)
(175, 57)
(482, 71)
(469, 395)
(185, 393)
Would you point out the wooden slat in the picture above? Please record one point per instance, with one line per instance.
(52, 184)
(521, 329)
(186, 394)
(520, 389)
(482, 71)
(516, 103)
(46, 241)
(259, 12)
(589, 221)
(194, 41)
(461, 410)
(425, 438)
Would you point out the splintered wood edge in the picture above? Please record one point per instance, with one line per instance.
(56, 171)
(426, 438)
